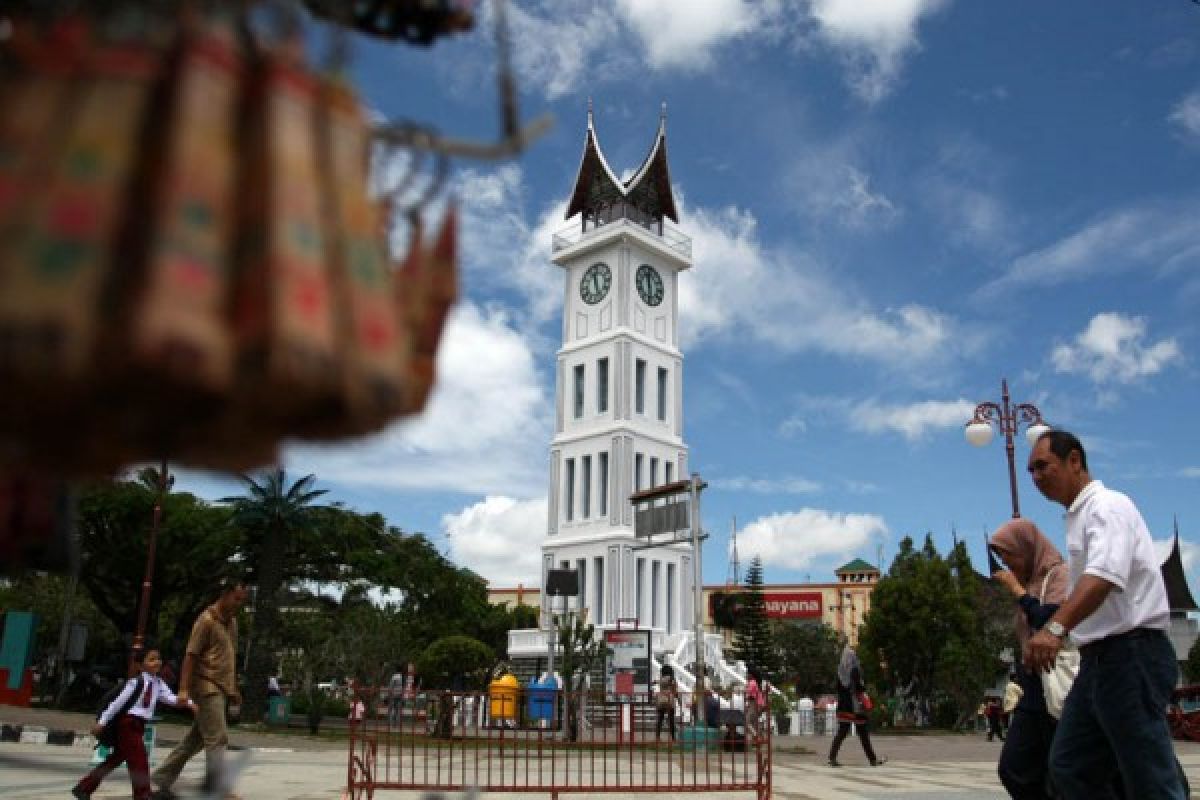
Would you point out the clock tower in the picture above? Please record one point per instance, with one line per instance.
(619, 392)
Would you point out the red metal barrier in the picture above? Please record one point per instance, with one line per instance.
(456, 741)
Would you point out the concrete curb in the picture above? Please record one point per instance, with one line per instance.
(39, 734)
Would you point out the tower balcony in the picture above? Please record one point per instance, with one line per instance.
(620, 215)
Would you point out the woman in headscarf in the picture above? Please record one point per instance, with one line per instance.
(1037, 576)
(850, 710)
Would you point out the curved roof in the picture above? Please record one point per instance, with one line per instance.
(649, 189)
(857, 565)
(1179, 596)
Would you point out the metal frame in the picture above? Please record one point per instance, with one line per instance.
(493, 748)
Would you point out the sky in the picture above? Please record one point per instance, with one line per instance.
(893, 205)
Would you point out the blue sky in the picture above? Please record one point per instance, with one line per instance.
(893, 205)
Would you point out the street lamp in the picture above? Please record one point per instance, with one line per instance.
(139, 639)
(1008, 417)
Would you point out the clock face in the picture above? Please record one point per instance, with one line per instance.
(595, 283)
(649, 285)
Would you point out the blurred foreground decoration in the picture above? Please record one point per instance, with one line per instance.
(191, 260)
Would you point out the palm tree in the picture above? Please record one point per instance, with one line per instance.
(273, 516)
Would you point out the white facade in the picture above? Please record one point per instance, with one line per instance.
(619, 410)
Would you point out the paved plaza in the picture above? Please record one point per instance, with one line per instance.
(296, 767)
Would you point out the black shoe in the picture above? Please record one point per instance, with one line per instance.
(879, 762)
(833, 763)
(163, 794)
(79, 794)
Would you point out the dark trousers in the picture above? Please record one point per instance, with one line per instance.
(864, 736)
(667, 712)
(1115, 719)
(130, 750)
(995, 726)
(1025, 760)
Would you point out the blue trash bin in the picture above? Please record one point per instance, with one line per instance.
(541, 699)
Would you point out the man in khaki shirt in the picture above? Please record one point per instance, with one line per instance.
(208, 678)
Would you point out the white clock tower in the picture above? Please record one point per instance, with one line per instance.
(619, 392)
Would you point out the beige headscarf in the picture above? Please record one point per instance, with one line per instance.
(1041, 558)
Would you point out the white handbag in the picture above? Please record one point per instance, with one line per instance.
(1057, 682)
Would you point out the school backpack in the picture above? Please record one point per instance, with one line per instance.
(108, 735)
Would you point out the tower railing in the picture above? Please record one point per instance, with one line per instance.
(622, 214)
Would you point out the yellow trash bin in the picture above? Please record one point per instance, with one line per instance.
(502, 698)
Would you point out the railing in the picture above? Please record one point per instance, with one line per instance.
(574, 234)
(550, 742)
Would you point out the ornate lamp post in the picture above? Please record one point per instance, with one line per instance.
(1008, 417)
(139, 637)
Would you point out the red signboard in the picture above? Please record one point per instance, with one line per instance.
(793, 605)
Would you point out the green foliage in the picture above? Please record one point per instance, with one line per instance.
(277, 520)
(455, 662)
(725, 609)
(808, 655)
(46, 596)
(578, 650)
(752, 635)
(1191, 667)
(939, 627)
(192, 552)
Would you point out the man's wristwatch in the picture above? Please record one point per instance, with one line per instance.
(1055, 628)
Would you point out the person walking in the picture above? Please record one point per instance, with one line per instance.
(850, 709)
(1114, 718)
(666, 701)
(1034, 572)
(756, 701)
(395, 695)
(995, 723)
(130, 710)
(209, 677)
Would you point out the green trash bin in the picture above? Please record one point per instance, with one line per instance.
(278, 710)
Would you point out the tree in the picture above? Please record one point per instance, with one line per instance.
(725, 609)
(1191, 667)
(457, 663)
(273, 517)
(193, 548)
(938, 627)
(752, 636)
(578, 650)
(808, 655)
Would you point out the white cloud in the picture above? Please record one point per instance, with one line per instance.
(827, 183)
(683, 33)
(1111, 350)
(781, 485)
(581, 42)
(501, 248)
(738, 289)
(873, 36)
(795, 540)
(1186, 115)
(574, 40)
(484, 429)
(914, 421)
(964, 188)
(1190, 472)
(1120, 241)
(499, 538)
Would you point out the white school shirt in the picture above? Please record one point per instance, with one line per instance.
(158, 688)
(1107, 538)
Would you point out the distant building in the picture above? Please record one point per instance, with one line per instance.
(842, 604)
(1184, 629)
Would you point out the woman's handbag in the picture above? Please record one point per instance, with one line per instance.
(1057, 682)
(864, 702)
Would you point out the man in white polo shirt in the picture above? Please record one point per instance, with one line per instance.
(1115, 715)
